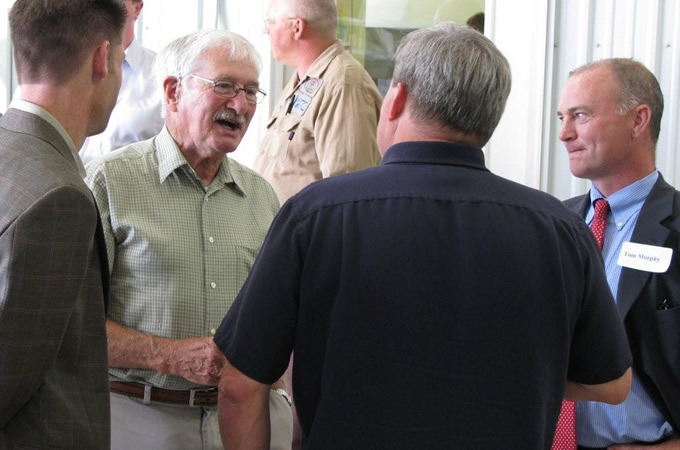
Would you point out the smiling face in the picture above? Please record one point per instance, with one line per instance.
(598, 140)
(200, 121)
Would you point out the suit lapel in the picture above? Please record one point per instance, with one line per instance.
(648, 230)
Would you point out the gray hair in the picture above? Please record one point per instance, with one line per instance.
(182, 56)
(455, 76)
(635, 85)
(322, 15)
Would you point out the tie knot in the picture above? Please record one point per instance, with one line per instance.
(601, 207)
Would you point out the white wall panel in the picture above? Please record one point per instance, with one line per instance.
(515, 150)
(668, 70)
(6, 75)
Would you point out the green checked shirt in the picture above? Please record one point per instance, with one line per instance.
(178, 252)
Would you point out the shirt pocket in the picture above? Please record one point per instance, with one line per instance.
(283, 130)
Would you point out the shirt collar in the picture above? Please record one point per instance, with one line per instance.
(626, 202)
(34, 109)
(133, 56)
(171, 158)
(435, 152)
(321, 63)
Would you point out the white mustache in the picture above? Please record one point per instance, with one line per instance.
(231, 116)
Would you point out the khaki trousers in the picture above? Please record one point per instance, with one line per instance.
(161, 426)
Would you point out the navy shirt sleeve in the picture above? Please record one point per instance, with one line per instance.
(599, 349)
(258, 333)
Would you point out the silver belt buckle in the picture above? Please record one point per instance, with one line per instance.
(192, 395)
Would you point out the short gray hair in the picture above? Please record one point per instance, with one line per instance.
(181, 56)
(455, 76)
(635, 85)
(322, 15)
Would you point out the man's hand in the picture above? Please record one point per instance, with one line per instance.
(196, 359)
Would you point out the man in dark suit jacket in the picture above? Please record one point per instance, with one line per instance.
(53, 360)
(611, 113)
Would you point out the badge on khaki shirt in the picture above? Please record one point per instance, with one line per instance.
(311, 86)
(300, 104)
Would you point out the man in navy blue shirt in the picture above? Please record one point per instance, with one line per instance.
(611, 118)
(430, 303)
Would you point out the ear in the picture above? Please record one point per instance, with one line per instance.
(299, 28)
(398, 101)
(642, 119)
(138, 9)
(100, 61)
(170, 92)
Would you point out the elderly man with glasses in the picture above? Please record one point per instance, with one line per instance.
(183, 223)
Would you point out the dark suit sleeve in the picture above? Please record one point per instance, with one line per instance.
(44, 259)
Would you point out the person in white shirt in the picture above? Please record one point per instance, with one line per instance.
(137, 114)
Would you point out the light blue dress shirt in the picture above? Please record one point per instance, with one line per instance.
(636, 419)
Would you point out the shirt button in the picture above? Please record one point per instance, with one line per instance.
(211, 239)
(213, 331)
(213, 285)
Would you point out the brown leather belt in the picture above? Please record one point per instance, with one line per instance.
(194, 397)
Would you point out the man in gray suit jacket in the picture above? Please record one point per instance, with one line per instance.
(53, 357)
(611, 114)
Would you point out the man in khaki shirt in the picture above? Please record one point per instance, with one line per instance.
(326, 118)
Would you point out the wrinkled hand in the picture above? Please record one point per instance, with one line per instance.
(198, 360)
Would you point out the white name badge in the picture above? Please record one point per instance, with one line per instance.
(648, 258)
(301, 103)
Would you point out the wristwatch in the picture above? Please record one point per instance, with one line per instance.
(285, 395)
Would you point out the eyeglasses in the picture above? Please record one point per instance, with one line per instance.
(227, 89)
(268, 22)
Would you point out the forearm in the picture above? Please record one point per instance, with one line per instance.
(196, 359)
(243, 407)
(132, 349)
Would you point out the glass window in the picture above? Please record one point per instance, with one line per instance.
(371, 29)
